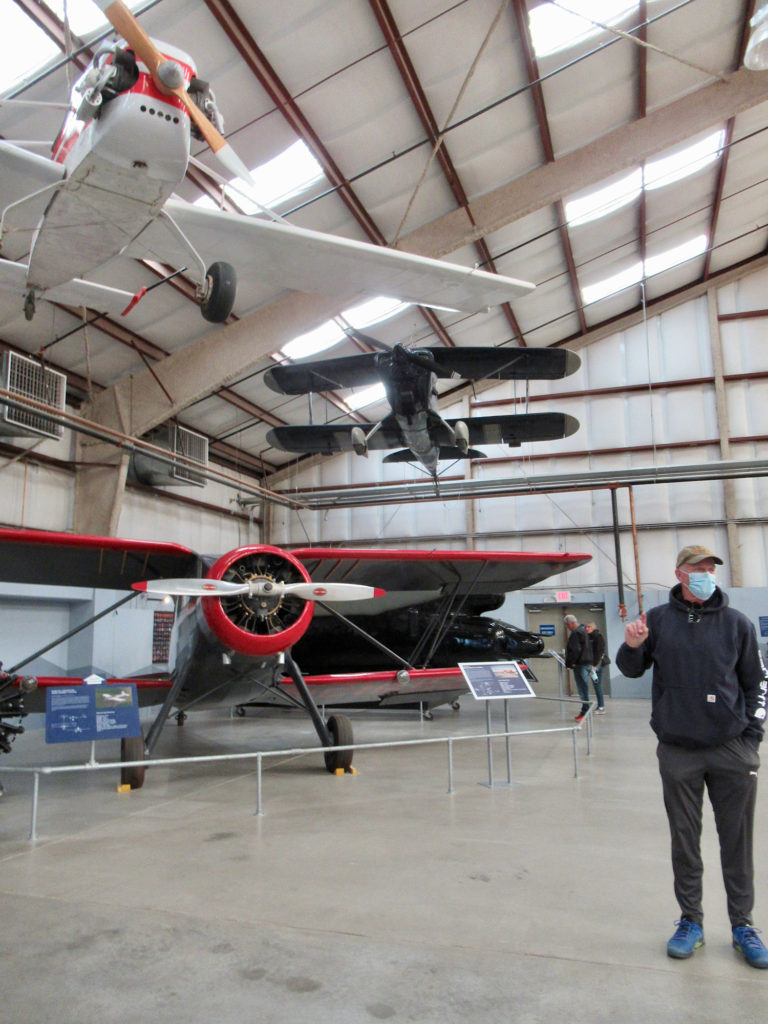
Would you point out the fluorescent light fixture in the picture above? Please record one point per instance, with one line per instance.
(653, 265)
(756, 54)
(665, 170)
(582, 209)
(554, 29)
(366, 396)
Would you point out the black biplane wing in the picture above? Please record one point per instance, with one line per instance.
(437, 572)
(331, 438)
(469, 363)
(74, 560)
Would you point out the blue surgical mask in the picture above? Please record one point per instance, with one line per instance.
(702, 584)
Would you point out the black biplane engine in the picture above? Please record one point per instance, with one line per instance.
(12, 690)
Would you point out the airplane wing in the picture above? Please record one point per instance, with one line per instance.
(330, 438)
(504, 363)
(23, 174)
(513, 430)
(412, 574)
(323, 374)
(13, 278)
(286, 256)
(476, 363)
(73, 560)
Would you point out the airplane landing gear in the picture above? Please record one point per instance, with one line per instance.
(132, 749)
(340, 728)
(29, 305)
(220, 290)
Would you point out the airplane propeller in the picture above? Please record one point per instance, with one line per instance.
(260, 588)
(166, 74)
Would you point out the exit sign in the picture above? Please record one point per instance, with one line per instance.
(563, 596)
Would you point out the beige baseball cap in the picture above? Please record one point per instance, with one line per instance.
(695, 553)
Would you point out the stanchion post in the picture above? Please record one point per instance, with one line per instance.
(258, 783)
(450, 765)
(33, 823)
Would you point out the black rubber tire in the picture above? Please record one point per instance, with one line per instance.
(340, 728)
(132, 749)
(222, 288)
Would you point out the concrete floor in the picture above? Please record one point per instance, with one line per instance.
(377, 896)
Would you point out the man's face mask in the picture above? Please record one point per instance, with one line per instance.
(702, 584)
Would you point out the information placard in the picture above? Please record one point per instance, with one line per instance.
(489, 680)
(76, 713)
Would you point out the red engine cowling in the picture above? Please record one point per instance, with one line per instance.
(258, 626)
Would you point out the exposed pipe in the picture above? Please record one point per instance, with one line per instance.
(617, 547)
(635, 549)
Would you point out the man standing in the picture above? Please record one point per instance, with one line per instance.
(597, 640)
(708, 706)
(578, 658)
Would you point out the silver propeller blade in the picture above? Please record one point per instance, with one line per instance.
(260, 588)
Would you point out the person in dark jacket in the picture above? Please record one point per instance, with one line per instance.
(708, 706)
(597, 641)
(578, 658)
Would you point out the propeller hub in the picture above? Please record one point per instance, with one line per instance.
(170, 74)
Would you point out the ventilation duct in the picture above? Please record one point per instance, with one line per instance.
(27, 378)
(172, 472)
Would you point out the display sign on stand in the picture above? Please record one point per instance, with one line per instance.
(498, 680)
(76, 713)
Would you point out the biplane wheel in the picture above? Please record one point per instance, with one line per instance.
(240, 711)
(455, 706)
(181, 717)
(427, 715)
(132, 749)
(221, 286)
(340, 728)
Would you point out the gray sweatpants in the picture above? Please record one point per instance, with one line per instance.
(730, 774)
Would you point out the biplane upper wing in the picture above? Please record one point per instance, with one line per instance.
(323, 374)
(476, 363)
(489, 362)
(74, 560)
(410, 576)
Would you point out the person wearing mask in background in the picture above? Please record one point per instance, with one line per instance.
(578, 658)
(597, 640)
(708, 706)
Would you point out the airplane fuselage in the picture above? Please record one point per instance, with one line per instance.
(121, 166)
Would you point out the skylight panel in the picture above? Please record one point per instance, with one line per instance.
(653, 265)
(374, 311)
(23, 47)
(318, 340)
(554, 29)
(287, 175)
(674, 257)
(611, 285)
(582, 209)
(665, 170)
(366, 396)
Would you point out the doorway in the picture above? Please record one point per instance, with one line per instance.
(546, 621)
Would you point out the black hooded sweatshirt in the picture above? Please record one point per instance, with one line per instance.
(709, 681)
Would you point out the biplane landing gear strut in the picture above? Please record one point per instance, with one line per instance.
(338, 732)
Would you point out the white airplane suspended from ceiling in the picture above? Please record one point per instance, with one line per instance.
(121, 153)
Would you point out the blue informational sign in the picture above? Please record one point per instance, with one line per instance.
(547, 630)
(763, 625)
(75, 713)
(489, 680)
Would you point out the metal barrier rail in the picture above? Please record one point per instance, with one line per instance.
(258, 756)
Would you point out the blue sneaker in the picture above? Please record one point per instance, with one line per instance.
(745, 939)
(686, 940)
